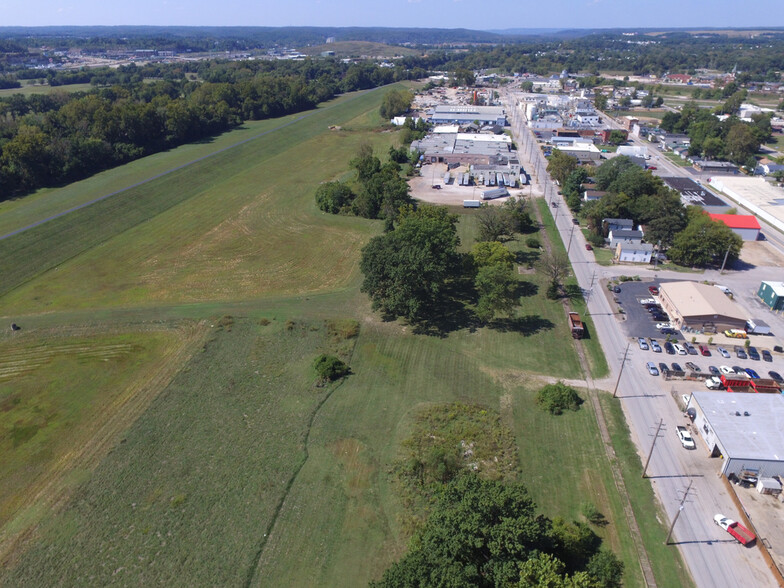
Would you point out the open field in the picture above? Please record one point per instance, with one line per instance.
(205, 232)
(28, 89)
(242, 471)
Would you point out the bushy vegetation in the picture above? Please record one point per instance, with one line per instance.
(556, 398)
(488, 533)
(377, 191)
(329, 368)
(395, 103)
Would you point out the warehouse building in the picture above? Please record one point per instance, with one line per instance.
(772, 294)
(700, 307)
(744, 225)
(463, 114)
(745, 430)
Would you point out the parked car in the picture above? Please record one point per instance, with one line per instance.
(653, 290)
(736, 334)
(776, 376)
(753, 353)
(669, 348)
(588, 247)
(680, 350)
(726, 370)
(740, 352)
(667, 331)
(739, 370)
(645, 301)
(690, 349)
(705, 351)
(663, 368)
(766, 355)
(723, 352)
(617, 289)
(652, 167)
(676, 367)
(664, 325)
(714, 370)
(693, 366)
(575, 221)
(642, 343)
(752, 374)
(660, 318)
(655, 347)
(652, 368)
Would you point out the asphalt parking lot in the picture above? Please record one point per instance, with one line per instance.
(638, 321)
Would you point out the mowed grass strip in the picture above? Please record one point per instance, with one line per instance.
(591, 345)
(230, 179)
(187, 496)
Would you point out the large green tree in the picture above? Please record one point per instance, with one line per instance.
(560, 165)
(704, 242)
(406, 270)
(395, 102)
(485, 533)
(332, 197)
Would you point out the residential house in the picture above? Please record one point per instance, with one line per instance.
(634, 252)
(625, 236)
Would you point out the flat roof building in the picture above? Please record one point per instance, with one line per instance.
(694, 194)
(465, 114)
(700, 307)
(746, 430)
(772, 294)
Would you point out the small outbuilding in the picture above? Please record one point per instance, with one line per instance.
(772, 294)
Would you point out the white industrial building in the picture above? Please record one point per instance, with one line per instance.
(745, 430)
(462, 114)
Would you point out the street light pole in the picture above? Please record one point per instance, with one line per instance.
(570, 240)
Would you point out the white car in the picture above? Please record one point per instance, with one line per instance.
(664, 325)
(724, 352)
(642, 343)
(726, 370)
(679, 349)
(655, 347)
(648, 301)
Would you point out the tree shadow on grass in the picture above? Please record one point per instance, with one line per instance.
(453, 312)
(526, 289)
(527, 258)
(573, 292)
(525, 325)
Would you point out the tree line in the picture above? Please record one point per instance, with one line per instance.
(51, 139)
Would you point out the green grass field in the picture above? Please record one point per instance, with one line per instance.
(241, 471)
(28, 89)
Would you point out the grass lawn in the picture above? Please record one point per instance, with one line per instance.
(28, 89)
(676, 159)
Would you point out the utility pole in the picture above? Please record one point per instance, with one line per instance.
(571, 233)
(650, 453)
(620, 373)
(677, 514)
(723, 263)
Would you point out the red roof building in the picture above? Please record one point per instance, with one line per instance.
(744, 225)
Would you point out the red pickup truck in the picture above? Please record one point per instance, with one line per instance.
(741, 533)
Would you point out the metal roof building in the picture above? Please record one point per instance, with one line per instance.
(745, 430)
(744, 225)
(465, 114)
(700, 307)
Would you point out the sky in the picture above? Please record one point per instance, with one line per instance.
(471, 14)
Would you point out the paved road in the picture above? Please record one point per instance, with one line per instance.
(713, 558)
